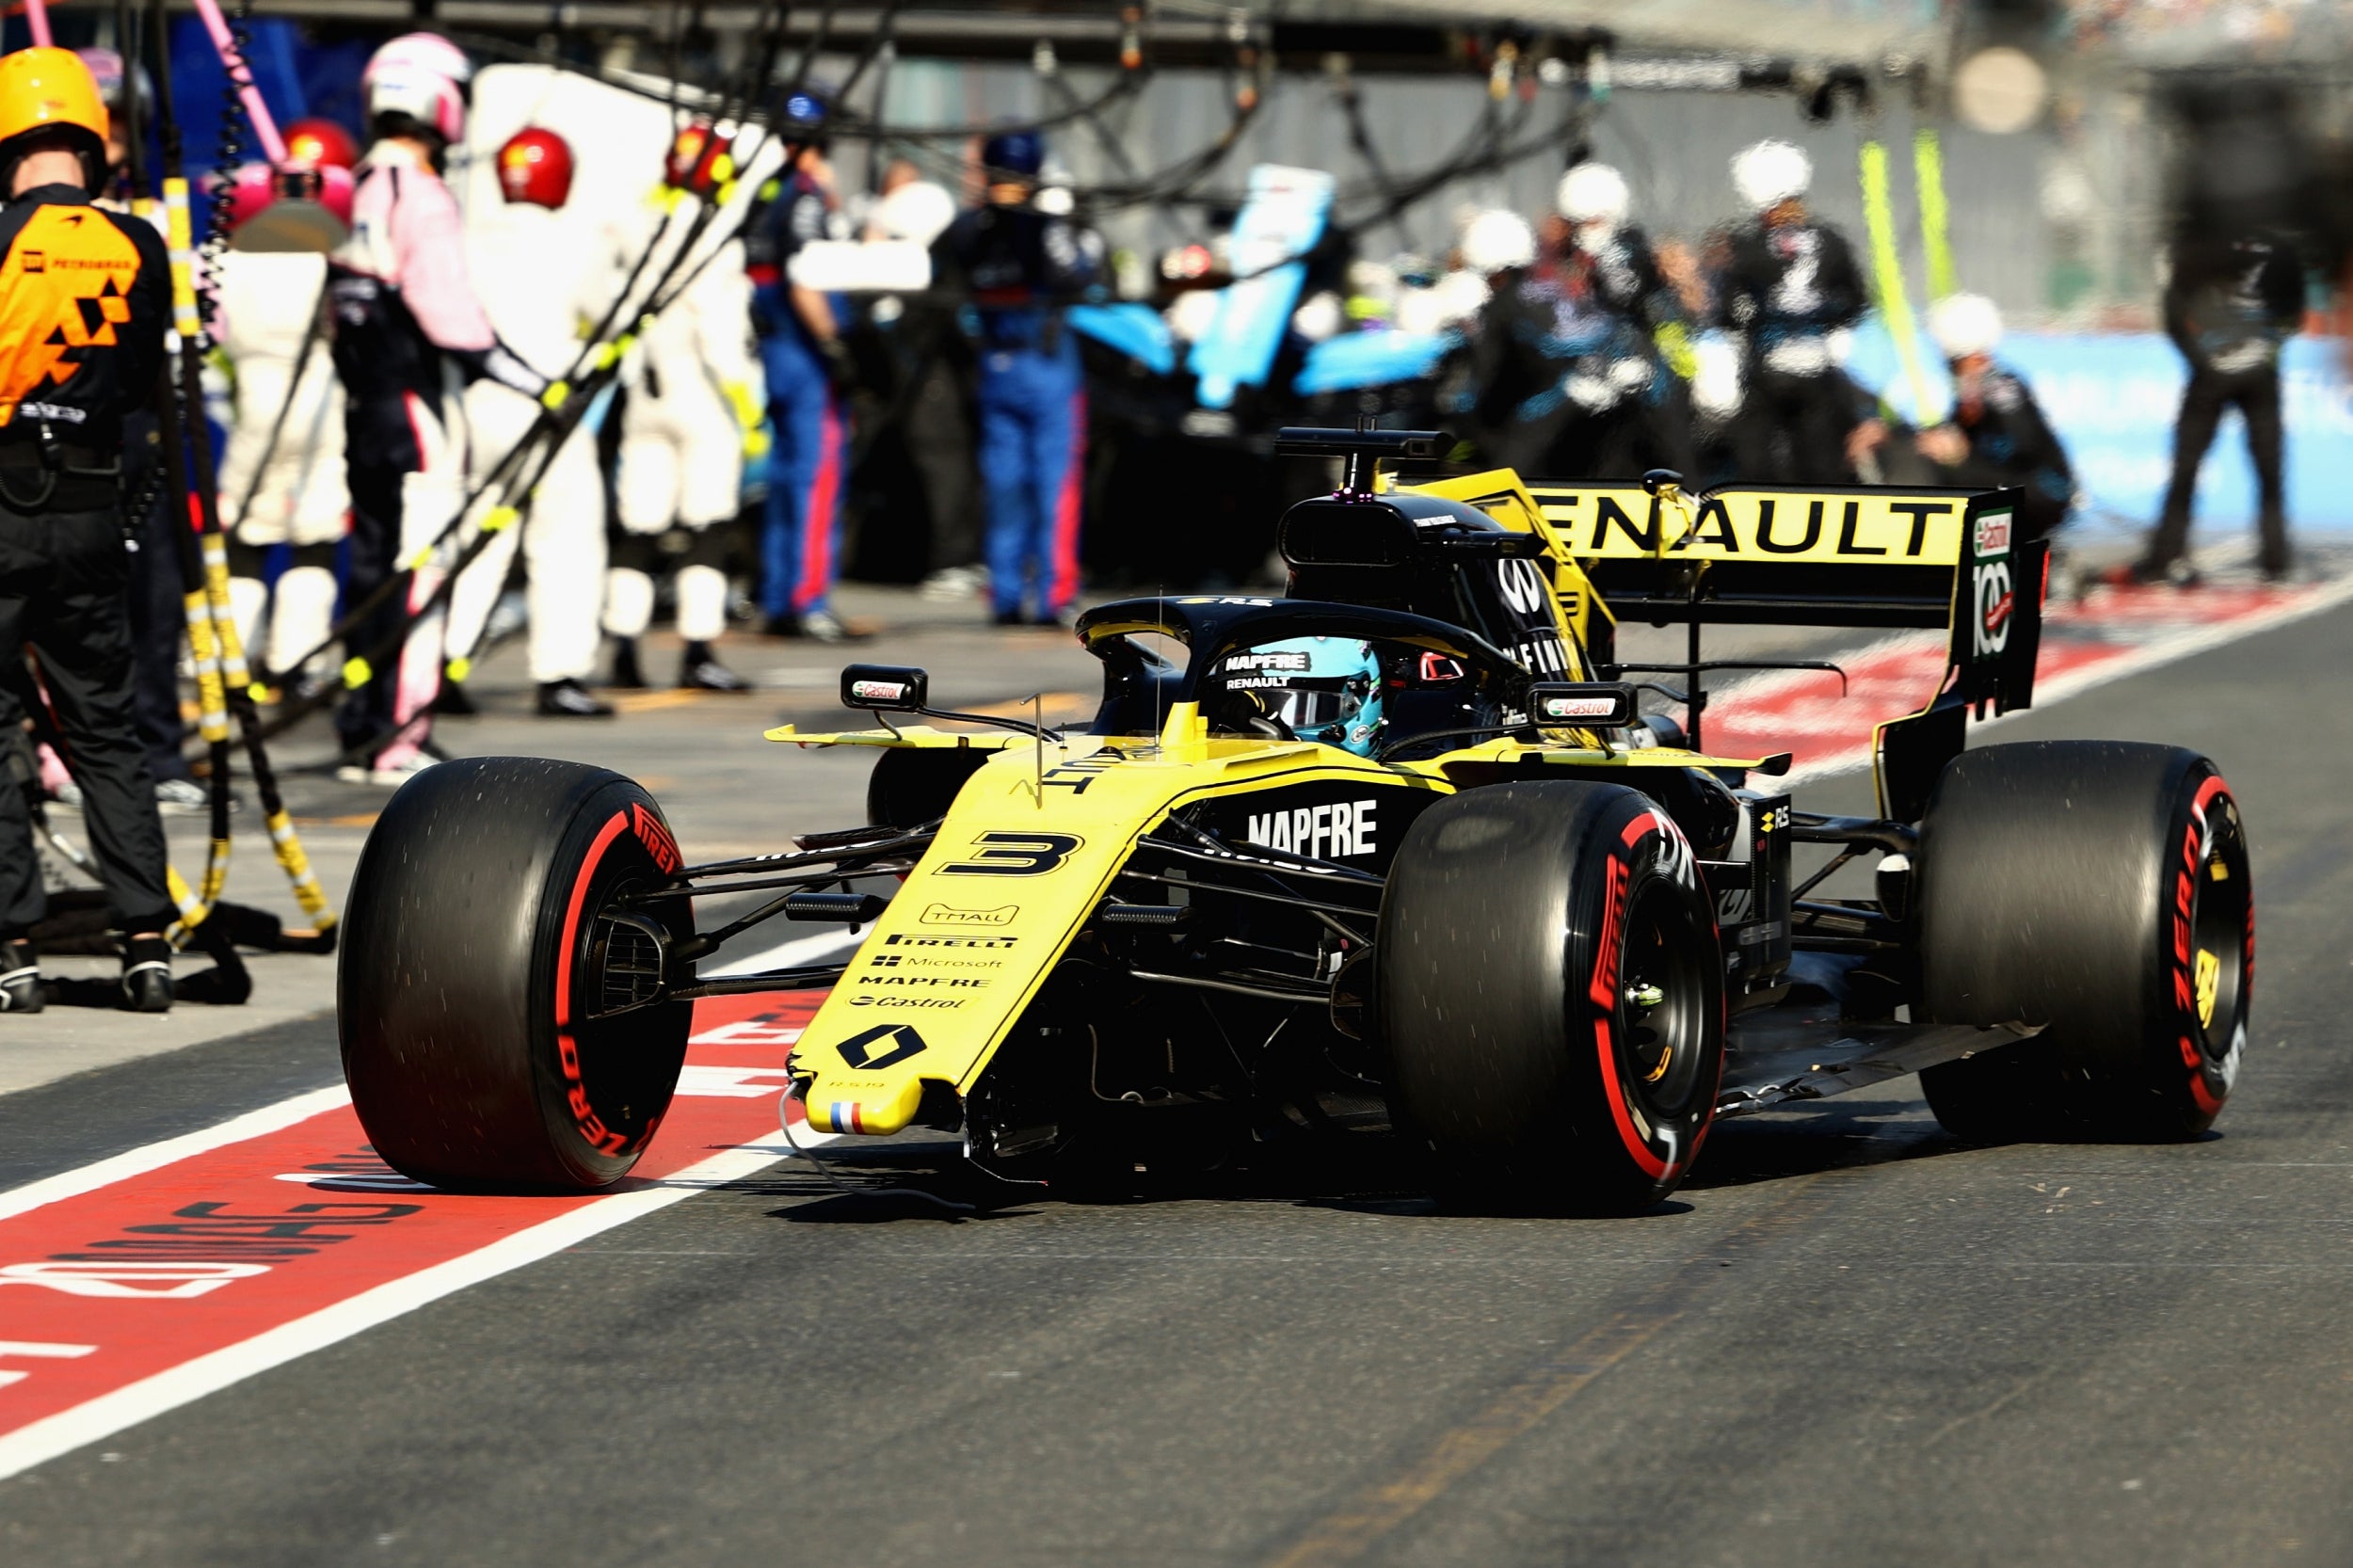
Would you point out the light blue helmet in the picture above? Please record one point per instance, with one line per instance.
(1325, 689)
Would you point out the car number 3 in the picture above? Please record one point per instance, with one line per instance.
(1014, 855)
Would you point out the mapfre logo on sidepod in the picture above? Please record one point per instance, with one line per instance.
(1343, 827)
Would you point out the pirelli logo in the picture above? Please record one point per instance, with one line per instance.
(1852, 527)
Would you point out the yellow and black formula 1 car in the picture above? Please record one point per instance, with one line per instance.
(1394, 854)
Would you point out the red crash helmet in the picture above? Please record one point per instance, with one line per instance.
(322, 143)
(694, 161)
(534, 165)
(254, 187)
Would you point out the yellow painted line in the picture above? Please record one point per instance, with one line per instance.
(1352, 1531)
(649, 702)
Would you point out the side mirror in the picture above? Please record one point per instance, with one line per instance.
(1581, 704)
(886, 688)
(1660, 479)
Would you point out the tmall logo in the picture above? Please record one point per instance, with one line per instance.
(947, 914)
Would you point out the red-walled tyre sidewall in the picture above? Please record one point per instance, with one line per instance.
(466, 1037)
(2101, 888)
(1506, 935)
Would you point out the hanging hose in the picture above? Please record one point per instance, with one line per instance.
(1936, 240)
(1879, 219)
(223, 682)
(517, 474)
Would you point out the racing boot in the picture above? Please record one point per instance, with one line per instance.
(824, 626)
(20, 978)
(146, 974)
(568, 699)
(627, 676)
(700, 671)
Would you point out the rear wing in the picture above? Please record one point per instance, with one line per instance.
(1825, 555)
(1829, 555)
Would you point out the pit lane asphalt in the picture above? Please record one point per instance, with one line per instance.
(1850, 1341)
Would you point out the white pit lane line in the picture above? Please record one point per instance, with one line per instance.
(154, 1157)
(127, 1406)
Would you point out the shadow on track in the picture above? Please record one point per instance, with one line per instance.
(1361, 1173)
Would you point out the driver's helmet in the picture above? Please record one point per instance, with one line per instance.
(1325, 689)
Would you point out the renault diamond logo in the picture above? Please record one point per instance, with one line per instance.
(896, 1042)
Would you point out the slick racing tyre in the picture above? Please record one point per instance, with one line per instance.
(1549, 997)
(2101, 888)
(480, 950)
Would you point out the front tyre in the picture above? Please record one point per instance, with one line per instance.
(2101, 889)
(481, 976)
(1549, 994)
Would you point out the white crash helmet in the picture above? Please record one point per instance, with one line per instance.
(1497, 240)
(1593, 193)
(1320, 317)
(919, 211)
(1192, 313)
(424, 76)
(1769, 173)
(1965, 324)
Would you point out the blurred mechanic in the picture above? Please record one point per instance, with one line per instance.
(84, 295)
(690, 420)
(1998, 435)
(283, 473)
(542, 272)
(1496, 248)
(935, 387)
(1019, 267)
(1789, 286)
(1572, 375)
(408, 326)
(2230, 306)
(808, 379)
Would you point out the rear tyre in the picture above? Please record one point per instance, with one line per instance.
(1549, 996)
(2101, 889)
(479, 949)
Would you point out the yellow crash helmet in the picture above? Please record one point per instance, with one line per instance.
(51, 88)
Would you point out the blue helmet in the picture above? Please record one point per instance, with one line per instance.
(1325, 689)
(803, 116)
(1016, 152)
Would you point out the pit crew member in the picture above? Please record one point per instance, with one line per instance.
(85, 294)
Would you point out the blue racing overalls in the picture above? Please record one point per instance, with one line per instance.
(799, 535)
(1020, 267)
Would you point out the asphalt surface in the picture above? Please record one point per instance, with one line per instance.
(1849, 1340)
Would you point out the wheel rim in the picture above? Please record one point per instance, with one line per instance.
(2219, 937)
(1661, 1008)
(625, 1076)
